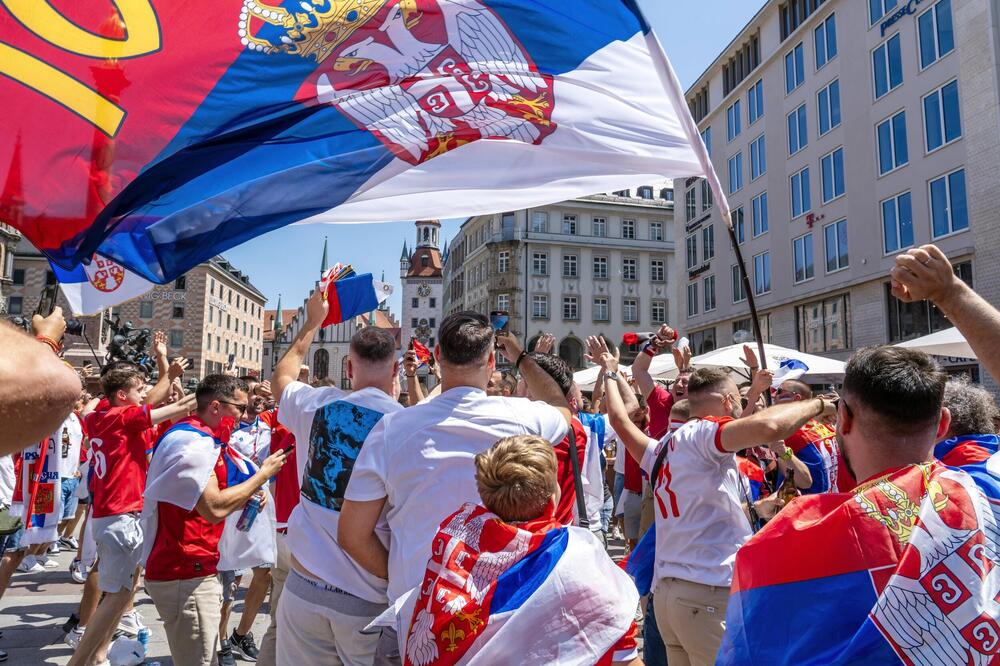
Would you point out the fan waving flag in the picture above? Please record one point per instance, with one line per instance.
(353, 296)
(100, 284)
(163, 132)
(901, 571)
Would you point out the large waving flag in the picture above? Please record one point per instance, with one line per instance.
(100, 284)
(902, 570)
(162, 132)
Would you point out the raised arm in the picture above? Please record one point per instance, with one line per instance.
(414, 392)
(762, 380)
(288, 368)
(161, 390)
(634, 439)
(540, 384)
(926, 273)
(37, 390)
(177, 410)
(773, 424)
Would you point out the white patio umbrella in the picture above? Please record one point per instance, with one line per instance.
(663, 367)
(822, 370)
(948, 342)
(587, 378)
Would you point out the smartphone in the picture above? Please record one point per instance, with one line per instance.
(500, 320)
(289, 449)
(47, 302)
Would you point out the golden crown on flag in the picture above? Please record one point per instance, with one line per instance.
(319, 28)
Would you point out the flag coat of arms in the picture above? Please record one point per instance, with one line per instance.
(159, 133)
(38, 491)
(904, 569)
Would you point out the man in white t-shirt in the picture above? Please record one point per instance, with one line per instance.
(417, 464)
(68, 445)
(698, 503)
(328, 599)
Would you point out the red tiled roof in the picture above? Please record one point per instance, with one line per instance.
(417, 268)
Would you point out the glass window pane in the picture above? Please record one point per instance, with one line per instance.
(895, 62)
(939, 207)
(928, 48)
(831, 247)
(945, 33)
(889, 229)
(827, 164)
(806, 203)
(932, 120)
(803, 128)
(819, 37)
(899, 139)
(874, 10)
(842, 244)
(881, 73)
(959, 210)
(834, 103)
(824, 110)
(789, 74)
(884, 148)
(905, 220)
(831, 37)
(800, 66)
(952, 116)
(796, 196)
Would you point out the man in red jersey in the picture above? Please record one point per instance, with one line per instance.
(117, 430)
(189, 498)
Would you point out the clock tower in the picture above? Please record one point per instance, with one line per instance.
(422, 284)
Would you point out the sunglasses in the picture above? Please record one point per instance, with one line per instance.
(241, 405)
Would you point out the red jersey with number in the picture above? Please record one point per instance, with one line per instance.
(660, 402)
(566, 507)
(118, 442)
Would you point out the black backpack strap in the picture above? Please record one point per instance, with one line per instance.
(574, 461)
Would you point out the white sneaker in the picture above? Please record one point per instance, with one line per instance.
(30, 565)
(53, 548)
(47, 563)
(74, 637)
(78, 571)
(131, 623)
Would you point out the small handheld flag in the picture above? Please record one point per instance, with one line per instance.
(352, 296)
(423, 353)
(789, 369)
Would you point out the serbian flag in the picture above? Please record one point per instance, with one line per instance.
(163, 132)
(38, 490)
(494, 593)
(424, 354)
(102, 283)
(353, 296)
(903, 570)
(967, 449)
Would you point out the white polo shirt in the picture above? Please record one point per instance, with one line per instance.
(700, 523)
(421, 459)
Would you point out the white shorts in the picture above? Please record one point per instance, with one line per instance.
(119, 550)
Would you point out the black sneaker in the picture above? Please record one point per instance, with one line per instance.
(244, 646)
(72, 623)
(226, 657)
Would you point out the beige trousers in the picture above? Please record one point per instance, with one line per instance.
(691, 618)
(279, 572)
(191, 611)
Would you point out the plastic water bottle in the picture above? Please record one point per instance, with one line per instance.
(143, 638)
(249, 514)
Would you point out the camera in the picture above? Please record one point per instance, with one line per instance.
(129, 344)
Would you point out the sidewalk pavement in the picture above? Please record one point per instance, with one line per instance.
(36, 605)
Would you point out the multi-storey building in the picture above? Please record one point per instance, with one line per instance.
(592, 265)
(422, 286)
(843, 133)
(9, 237)
(212, 315)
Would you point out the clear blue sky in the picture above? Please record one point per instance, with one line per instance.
(287, 261)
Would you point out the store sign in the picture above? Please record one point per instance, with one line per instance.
(167, 295)
(909, 8)
(217, 302)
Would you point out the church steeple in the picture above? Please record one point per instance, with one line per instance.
(427, 233)
(322, 270)
(404, 261)
(278, 324)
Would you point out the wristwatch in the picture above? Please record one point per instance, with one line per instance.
(611, 375)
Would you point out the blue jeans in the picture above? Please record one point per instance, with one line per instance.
(654, 652)
(69, 498)
(616, 492)
(606, 510)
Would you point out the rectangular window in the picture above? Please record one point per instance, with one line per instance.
(824, 326)
(691, 245)
(658, 312)
(600, 227)
(630, 310)
(759, 214)
(656, 231)
(571, 308)
(50, 278)
(736, 173)
(628, 229)
(708, 288)
(656, 270)
(879, 8)
(755, 102)
(146, 309)
(540, 306)
(601, 309)
(569, 265)
(798, 130)
(758, 158)
(690, 205)
(630, 270)
(18, 276)
(569, 224)
(887, 66)
(835, 245)
(739, 291)
(795, 69)
(801, 202)
(708, 242)
(828, 100)
(949, 212)
(803, 250)
(911, 320)
(15, 305)
(600, 268)
(415, 302)
(937, 38)
(706, 195)
(178, 312)
(539, 263)
(942, 117)
(825, 36)
(539, 223)
(739, 225)
(733, 121)
(176, 339)
(762, 273)
(706, 138)
(692, 299)
(503, 262)
(181, 284)
(832, 168)
(414, 322)
(892, 150)
(897, 223)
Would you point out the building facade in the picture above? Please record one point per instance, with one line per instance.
(212, 315)
(593, 265)
(422, 284)
(9, 237)
(843, 132)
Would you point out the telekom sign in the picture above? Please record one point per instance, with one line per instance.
(909, 8)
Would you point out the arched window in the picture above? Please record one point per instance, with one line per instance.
(427, 234)
(532, 342)
(345, 381)
(571, 351)
(321, 364)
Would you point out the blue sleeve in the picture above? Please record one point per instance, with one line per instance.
(814, 461)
